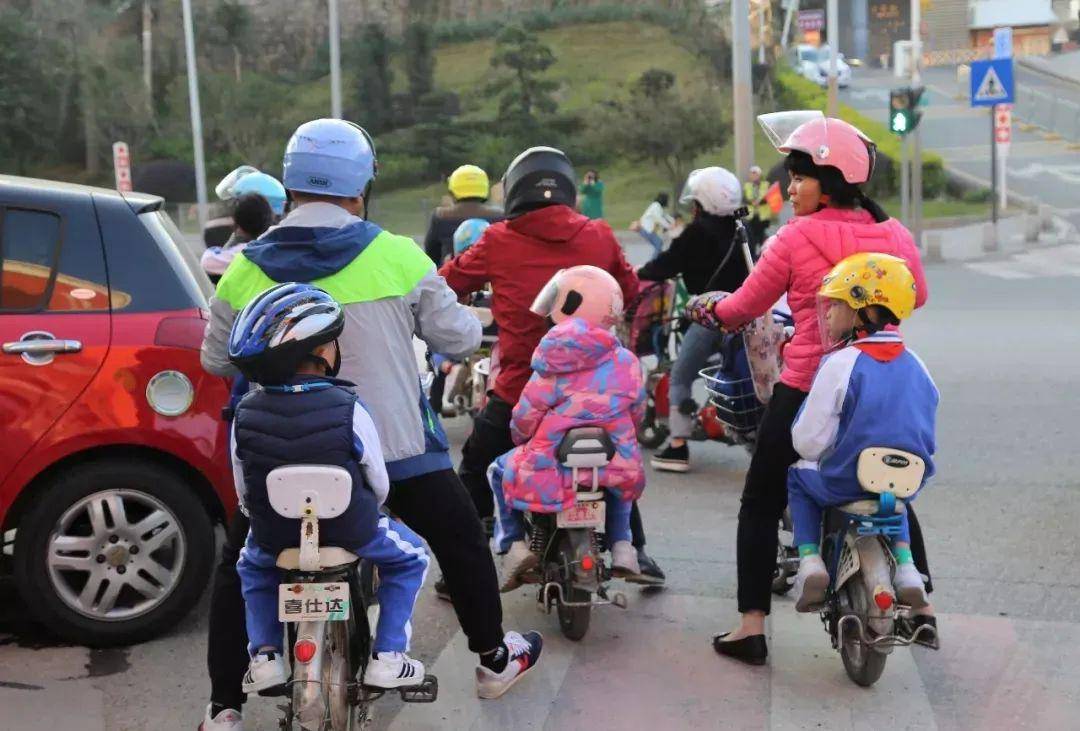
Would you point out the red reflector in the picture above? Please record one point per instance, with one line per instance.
(304, 650)
(180, 332)
(883, 599)
(587, 563)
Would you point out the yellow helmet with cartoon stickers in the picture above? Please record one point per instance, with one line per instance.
(866, 279)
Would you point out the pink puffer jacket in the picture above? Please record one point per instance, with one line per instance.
(581, 377)
(796, 259)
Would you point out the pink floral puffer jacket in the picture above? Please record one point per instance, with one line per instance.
(796, 259)
(581, 376)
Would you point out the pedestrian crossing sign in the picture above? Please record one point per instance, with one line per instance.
(991, 82)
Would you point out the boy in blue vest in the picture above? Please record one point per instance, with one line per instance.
(285, 341)
(869, 391)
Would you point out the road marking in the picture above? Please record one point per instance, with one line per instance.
(1058, 261)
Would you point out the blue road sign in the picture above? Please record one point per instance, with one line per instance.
(992, 82)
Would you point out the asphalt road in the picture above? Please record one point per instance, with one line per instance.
(1001, 341)
(1043, 170)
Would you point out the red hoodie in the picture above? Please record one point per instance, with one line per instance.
(518, 257)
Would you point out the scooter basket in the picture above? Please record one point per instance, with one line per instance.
(737, 407)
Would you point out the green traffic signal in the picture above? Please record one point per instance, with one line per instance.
(899, 122)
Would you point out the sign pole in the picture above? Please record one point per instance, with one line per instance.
(993, 172)
(905, 185)
(916, 163)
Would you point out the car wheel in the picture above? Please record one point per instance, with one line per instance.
(113, 552)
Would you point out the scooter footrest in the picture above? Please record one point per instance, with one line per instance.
(425, 692)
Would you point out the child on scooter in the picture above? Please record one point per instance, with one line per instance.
(582, 376)
(869, 391)
(285, 341)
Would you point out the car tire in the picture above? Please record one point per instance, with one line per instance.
(177, 520)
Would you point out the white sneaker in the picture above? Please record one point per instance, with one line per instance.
(393, 670)
(519, 560)
(451, 387)
(524, 653)
(267, 670)
(811, 583)
(226, 720)
(910, 589)
(624, 561)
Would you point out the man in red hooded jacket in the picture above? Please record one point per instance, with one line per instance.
(542, 234)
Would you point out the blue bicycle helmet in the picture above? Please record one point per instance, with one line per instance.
(468, 233)
(280, 327)
(330, 157)
(265, 185)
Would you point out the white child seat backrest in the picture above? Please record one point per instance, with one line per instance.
(884, 469)
(309, 490)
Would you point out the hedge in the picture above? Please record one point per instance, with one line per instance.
(796, 92)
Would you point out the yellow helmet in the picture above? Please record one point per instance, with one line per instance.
(469, 181)
(868, 279)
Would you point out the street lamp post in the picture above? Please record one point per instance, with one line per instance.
(916, 164)
(335, 60)
(196, 115)
(742, 99)
(832, 22)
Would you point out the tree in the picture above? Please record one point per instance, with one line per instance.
(233, 22)
(659, 125)
(521, 89)
(28, 102)
(369, 55)
(420, 60)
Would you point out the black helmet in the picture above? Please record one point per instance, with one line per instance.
(278, 329)
(538, 177)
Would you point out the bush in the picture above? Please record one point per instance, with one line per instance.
(795, 92)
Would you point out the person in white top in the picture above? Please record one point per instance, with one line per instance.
(654, 223)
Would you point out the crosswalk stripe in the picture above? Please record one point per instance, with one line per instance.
(1060, 261)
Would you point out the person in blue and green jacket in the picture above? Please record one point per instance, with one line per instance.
(390, 292)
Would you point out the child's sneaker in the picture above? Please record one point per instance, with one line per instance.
(624, 562)
(520, 654)
(519, 560)
(227, 719)
(393, 670)
(811, 583)
(910, 589)
(267, 670)
(672, 459)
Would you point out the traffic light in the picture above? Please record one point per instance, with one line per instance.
(903, 109)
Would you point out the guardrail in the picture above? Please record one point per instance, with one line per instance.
(1049, 113)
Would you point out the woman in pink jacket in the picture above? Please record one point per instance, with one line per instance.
(582, 376)
(827, 159)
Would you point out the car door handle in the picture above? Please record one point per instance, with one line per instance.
(42, 347)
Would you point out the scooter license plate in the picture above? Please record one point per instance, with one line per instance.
(313, 602)
(582, 515)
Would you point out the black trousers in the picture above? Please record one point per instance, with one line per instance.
(437, 507)
(765, 497)
(490, 438)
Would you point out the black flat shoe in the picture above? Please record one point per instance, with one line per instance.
(910, 626)
(751, 650)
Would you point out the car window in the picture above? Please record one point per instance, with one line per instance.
(29, 244)
(179, 252)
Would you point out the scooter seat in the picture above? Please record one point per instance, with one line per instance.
(868, 507)
(329, 557)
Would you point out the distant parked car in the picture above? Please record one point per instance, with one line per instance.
(812, 62)
(113, 456)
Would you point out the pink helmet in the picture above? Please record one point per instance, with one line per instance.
(834, 142)
(583, 291)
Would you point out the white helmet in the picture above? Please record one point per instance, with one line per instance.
(715, 189)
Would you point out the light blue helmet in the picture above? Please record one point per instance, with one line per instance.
(330, 157)
(468, 233)
(265, 185)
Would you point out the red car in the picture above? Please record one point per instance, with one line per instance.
(113, 454)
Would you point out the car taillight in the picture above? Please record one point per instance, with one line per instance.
(304, 650)
(587, 563)
(180, 332)
(883, 598)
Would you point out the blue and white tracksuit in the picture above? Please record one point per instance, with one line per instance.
(320, 421)
(873, 393)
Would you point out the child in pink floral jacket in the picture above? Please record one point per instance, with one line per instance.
(582, 376)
